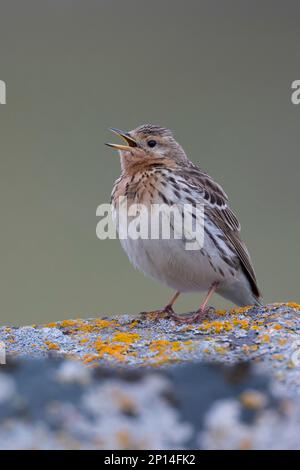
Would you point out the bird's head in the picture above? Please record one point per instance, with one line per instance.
(147, 144)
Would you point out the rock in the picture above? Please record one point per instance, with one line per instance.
(51, 403)
(230, 382)
(269, 335)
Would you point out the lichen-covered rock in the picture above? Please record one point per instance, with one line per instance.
(231, 382)
(270, 334)
(62, 404)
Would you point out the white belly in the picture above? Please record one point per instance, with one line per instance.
(169, 262)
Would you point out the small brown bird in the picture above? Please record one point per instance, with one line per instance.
(156, 170)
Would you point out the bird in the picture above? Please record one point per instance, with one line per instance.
(156, 170)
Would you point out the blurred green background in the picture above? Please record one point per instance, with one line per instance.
(218, 73)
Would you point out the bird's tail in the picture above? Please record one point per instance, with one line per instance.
(259, 302)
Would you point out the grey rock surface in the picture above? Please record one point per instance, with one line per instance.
(231, 382)
(62, 404)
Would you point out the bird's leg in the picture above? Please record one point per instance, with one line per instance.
(198, 316)
(169, 306)
(165, 312)
(203, 308)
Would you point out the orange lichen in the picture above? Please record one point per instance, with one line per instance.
(292, 305)
(188, 343)
(51, 325)
(124, 439)
(205, 326)
(84, 340)
(278, 357)
(237, 311)
(118, 348)
(221, 350)
(86, 326)
(244, 324)
(227, 326)
(176, 346)
(221, 326)
(87, 358)
(107, 339)
(163, 350)
(95, 325)
(165, 345)
(117, 351)
(51, 345)
(245, 444)
(159, 345)
(253, 399)
(221, 313)
(99, 323)
(282, 341)
(126, 337)
(68, 323)
(217, 326)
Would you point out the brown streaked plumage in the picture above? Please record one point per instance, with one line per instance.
(156, 170)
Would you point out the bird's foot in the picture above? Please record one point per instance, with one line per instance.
(193, 317)
(162, 314)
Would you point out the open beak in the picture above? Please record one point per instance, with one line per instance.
(125, 136)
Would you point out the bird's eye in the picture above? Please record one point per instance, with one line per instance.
(151, 143)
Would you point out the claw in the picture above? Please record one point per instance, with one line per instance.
(192, 318)
(162, 314)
